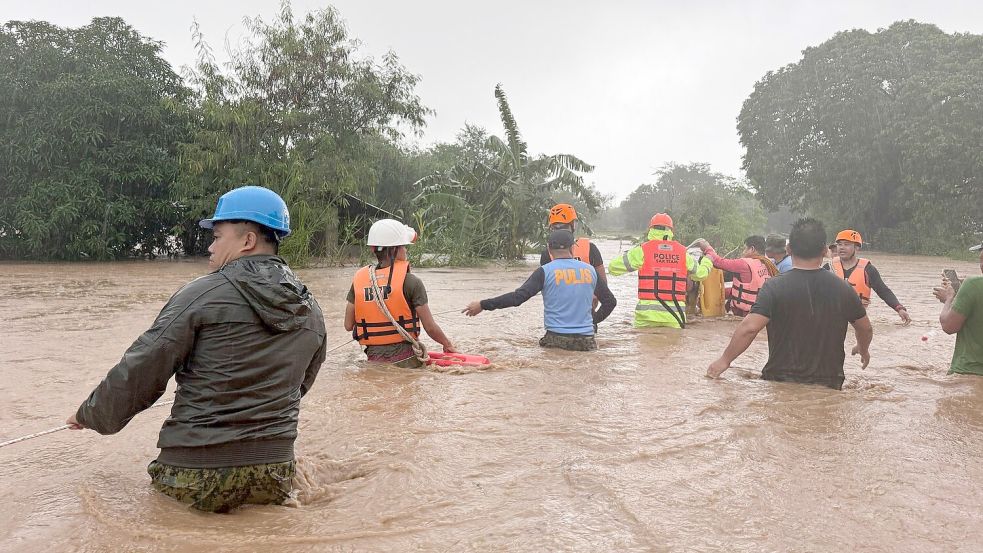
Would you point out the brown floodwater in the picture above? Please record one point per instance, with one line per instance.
(628, 448)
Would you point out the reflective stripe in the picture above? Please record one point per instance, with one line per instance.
(627, 262)
(657, 307)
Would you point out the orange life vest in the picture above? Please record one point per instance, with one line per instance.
(662, 275)
(744, 294)
(858, 278)
(372, 327)
(580, 250)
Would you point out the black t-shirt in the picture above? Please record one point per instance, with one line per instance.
(808, 312)
(595, 257)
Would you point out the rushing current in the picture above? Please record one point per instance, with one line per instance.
(629, 448)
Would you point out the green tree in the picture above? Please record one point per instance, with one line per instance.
(397, 168)
(494, 205)
(299, 112)
(91, 120)
(674, 181)
(702, 203)
(874, 131)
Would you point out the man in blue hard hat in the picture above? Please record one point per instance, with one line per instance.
(245, 344)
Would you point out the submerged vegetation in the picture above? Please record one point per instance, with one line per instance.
(108, 153)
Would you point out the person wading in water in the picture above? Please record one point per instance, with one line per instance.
(403, 295)
(568, 288)
(752, 270)
(244, 344)
(806, 311)
(860, 273)
(962, 315)
(776, 248)
(663, 266)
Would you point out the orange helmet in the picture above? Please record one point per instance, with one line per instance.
(662, 220)
(850, 236)
(562, 214)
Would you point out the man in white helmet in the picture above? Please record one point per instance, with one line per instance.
(404, 296)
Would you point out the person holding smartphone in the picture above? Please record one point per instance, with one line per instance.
(962, 315)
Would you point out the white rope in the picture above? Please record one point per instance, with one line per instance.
(339, 346)
(419, 349)
(64, 427)
(35, 435)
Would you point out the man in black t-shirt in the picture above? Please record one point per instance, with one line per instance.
(806, 311)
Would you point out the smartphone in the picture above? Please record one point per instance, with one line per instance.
(953, 278)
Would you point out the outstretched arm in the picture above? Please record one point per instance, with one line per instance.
(865, 333)
(744, 334)
(532, 286)
(140, 377)
(627, 262)
(878, 285)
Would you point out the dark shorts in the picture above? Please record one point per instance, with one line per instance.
(224, 489)
(572, 342)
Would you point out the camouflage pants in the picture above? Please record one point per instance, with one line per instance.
(221, 490)
(572, 342)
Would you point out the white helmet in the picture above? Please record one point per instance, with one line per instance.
(390, 232)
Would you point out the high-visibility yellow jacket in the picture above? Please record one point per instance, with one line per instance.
(653, 313)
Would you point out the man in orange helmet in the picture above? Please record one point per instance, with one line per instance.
(861, 273)
(663, 266)
(564, 217)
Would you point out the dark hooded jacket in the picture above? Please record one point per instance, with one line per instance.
(244, 344)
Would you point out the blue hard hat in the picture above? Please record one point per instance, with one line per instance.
(252, 203)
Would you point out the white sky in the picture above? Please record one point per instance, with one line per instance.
(626, 86)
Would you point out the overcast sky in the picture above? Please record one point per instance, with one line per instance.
(626, 86)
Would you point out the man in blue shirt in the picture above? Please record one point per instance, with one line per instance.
(568, 288)
(776, 249)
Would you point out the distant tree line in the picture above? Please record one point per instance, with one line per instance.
(107, 153)
(879, 132)
(702, 203)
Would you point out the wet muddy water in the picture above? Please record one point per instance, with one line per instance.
(628, 448)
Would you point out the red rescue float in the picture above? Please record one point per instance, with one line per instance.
(456, 359)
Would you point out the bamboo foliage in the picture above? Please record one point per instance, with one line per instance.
(296, 111)
(495, 206)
